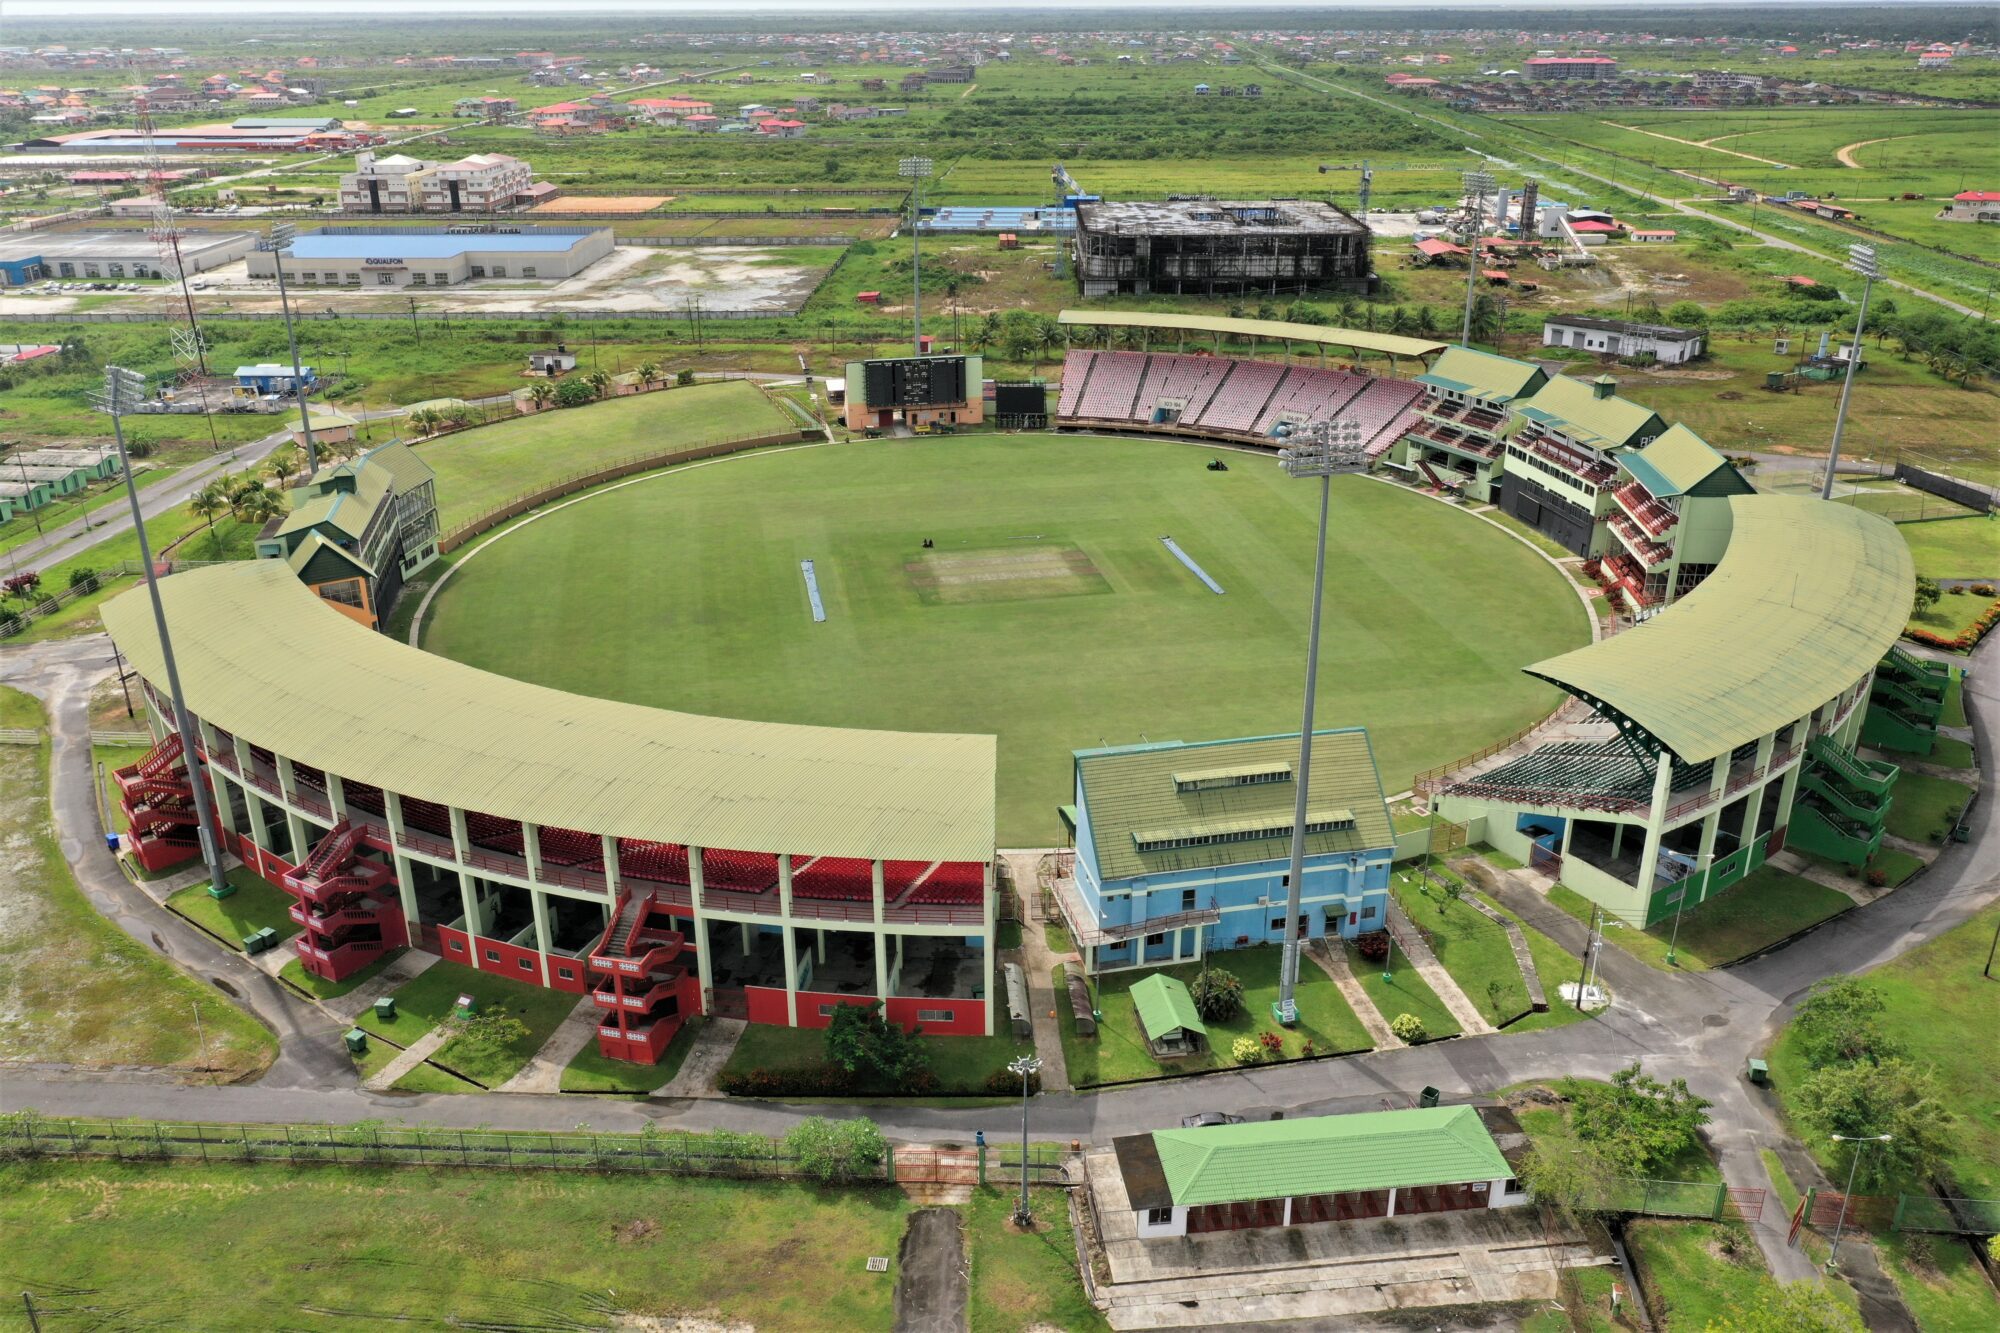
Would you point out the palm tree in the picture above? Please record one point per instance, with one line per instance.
(541, 393)
(598, 381)
(1400, 320)
(1350, 310)
(1427, 322)
(649, 373)
(209, 501)
(989, 330)
(256, 504)
(424, 420)
(283, 463)
(1486, 319)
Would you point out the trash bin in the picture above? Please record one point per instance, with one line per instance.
(467, 1006)
(259, 940)
(112, 843)
(1759, 1073)
(385, 1008)
(1428, 1097)
(357, 1041)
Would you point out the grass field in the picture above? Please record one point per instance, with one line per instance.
(1922, 806)
(321, 989)
(962, 1064)
(1762, 908)
(1118, 1051)
(479, 470)
(1937, 999)
(257, 903)
(429, 999)
(1693, 1272)
(78, 988)
(1473, 949)
(719, 622)
(591, 1072)
(113, 1245)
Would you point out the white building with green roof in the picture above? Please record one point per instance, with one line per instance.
(1335, 1168)
(1466, 414)
(358, 528)
(1182, 848)
(1561, 462)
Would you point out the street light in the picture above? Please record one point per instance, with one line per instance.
(1319, 450)
(1027, 1067)
(276, 243)
(1860, 259)
(916, 169)
(1478, 184)
(123, 389)
(1847, 1198)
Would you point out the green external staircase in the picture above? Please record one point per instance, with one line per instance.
(1913, 700)
(1866, 775)
(1842, 802)
(1888, 726)
(1920, 672)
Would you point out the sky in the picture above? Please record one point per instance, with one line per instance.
(714, 8)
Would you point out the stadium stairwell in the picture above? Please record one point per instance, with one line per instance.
(157, 800)
(644, 987)
(350, 917)
(1843, 801)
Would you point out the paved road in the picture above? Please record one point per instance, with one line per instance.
(1698, 1026)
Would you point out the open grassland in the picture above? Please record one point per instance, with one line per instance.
(479, 470)
(79, 990)
(720, 624)
(97, 1244)
(1937, 1002)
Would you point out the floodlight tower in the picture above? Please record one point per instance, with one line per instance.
(1321, 449)
(916, 170)
(165, 231)
(1860, 259)
(1478, 184)
(276, 243)
(123, 389)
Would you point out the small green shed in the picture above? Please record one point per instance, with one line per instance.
(1167, 1016)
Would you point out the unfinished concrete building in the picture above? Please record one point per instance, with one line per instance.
(1216, 247)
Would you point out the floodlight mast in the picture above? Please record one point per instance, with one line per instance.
(1478, 184)
(1320, 449)
(279, 241)
(1860, 259)
(916, 169)
(123, 389)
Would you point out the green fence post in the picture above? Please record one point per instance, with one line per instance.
(1896, 1222)
(889, 1166)
(1721, 1198)
(982, 1163)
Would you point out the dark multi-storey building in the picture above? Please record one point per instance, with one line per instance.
(1211, 247)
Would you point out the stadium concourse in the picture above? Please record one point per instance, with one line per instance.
(672, 864)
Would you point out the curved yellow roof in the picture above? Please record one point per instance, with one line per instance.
(1808, 597)
(264, 658)
(1390, 344)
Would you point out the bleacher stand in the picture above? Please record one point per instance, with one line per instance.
(1076, 372)
(663, 862)
(1242, 397)
(1188, 380)
(1113, 386)
(745, 872)
(951, 882)
(835, 878)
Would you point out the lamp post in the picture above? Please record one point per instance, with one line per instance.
(916, 169)
(1478, 184)
(1320, 450)
(122, 390)
(1847, 1198)
(1860, 259)
(276, 243)
(1027, 1067)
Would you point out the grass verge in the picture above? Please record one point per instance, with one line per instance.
(962, 1064)
(1764, 907)
(1923, 806)
(591, 1072)
(257, 903)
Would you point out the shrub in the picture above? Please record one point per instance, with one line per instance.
(1408, 1028)
(861, 1041)
(84, 579)
(1246, 1051)
(1983, 589)
(818, 1080)
(574, 393)
(1274, 1045)
(1007, 1083)
(1918, 1249)
(1878, 878)
(829, 1150)
(1217, 994)
(1374, 946)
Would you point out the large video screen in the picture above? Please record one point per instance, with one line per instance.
(914, 381)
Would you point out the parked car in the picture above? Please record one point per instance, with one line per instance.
(1207, 1118)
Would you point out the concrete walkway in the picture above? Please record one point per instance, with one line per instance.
(544, 1071)
(1418, 951)
(1039, 962)
(1333, 962)
(418, 1051)
(712, 1048)
(407, 965)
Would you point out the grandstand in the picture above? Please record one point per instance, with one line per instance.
(1701, 745)
(662, 862)
(1021, 221)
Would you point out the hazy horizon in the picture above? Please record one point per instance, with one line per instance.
(184, 9)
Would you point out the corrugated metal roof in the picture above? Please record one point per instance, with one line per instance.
(1128, 789)
(1274, 329)
(1606, 422)
(1482, 374)
(1676, 463)
(1808, 597)
(1332, 1154)
(1165, 1006)
(261, 656)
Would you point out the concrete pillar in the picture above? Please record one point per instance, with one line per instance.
(1288, 1200)
(406, 891)
(882, 968)
(461, 841)
(295, 826)
(1788, 791)
(1754, 806)
(1656, 818)
(743, 931)
(531, 849)
(791, 975)
(876, 891)
(704, 972)
(1712, 821)
(336, 796)
(468, 896)
(614, 878)
(1392, 1198)
(991, 902)
(538, 902)
(821, 949)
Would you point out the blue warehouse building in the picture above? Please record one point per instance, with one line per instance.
(1182, 848)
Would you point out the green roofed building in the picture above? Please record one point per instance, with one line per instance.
(358, 529)
(1338, 1168)
(1561, 458)
(1167, 1014)
(1459, 440)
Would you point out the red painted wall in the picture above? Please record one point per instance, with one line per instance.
(810, 1001)
(766, 1005)
(509, 963)
(968, 1017)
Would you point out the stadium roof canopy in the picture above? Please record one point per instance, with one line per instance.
(1807, 598)
(1276, 330)
(264, 658)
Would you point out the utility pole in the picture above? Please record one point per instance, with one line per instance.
(1991, 950)
(1027, 1067)
(1589, 949)
(1860, 259)
(413, 314)
(122, 388)
(1847, 1196)
(1477, 184)
(277, 243)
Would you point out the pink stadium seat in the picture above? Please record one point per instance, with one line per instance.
(1312, 393)
(1192, 380)
(1241, 399)
(1113, 386)
(1076, 370)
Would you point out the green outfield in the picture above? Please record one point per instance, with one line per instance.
(1047, 611)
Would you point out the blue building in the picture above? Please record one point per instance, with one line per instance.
(271, 377)
(1182, 848)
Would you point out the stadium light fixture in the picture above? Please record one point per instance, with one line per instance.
(1321, 449)
(1840, 1223)
(1027, 1067)
(1860, 259)
(122, 391)
(916, 170)
(1478, 184)
(276, 242)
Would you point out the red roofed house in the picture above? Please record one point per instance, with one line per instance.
(782, 129)
(1653, 235)
(1973, 206)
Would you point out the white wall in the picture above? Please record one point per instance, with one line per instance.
(1148, 1231)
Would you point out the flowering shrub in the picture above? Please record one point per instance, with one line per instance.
(1374, 946)
(1972, 635)
(1273, 1043)
(1246, 1051)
